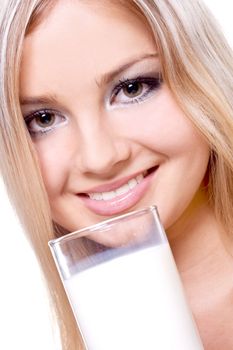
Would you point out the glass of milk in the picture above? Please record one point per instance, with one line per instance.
(123, 286)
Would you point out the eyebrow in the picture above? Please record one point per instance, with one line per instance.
(40, 100)
(104, 79)
(108, 77)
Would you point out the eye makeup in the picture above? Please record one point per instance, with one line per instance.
(44, 121)
(135, 85)
(135, 90)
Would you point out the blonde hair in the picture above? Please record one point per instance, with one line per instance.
(196, 64)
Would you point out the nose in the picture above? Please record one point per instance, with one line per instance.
(102, 151)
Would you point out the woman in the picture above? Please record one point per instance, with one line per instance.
(114, 105)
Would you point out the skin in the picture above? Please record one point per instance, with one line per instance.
(126, 139)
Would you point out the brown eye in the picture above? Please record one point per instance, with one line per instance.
(45, 119)
(133, 89)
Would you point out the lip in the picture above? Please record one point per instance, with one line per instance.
(120, 203)
(112, 185)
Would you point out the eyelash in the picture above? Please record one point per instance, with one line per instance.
(151, 84)
(32, 116)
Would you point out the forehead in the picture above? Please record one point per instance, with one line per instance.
(50, 10)
(92, 36)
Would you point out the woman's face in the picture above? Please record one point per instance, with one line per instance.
(109, 135)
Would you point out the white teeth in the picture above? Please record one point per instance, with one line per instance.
(96, 196)
(108, 195)
(123, 189)
(119, 191)
(132, 183)
(139, 178)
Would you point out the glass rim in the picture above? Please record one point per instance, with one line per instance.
(92, 228)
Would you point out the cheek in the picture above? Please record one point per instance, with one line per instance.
(54, 162)
(181, 182)
(160, 125)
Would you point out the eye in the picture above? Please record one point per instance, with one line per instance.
(135, 90)
(43, 121)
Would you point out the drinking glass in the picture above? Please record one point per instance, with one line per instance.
(123, 285)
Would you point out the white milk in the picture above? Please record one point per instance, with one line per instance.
(133, 302)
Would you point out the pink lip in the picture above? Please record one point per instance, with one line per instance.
(120, 203)
(113, 185)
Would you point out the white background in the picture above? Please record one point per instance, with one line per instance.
(24, 322)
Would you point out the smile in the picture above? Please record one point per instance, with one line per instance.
(114, 198)
(99, 196)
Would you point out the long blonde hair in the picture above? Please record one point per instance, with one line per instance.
(197, 65)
